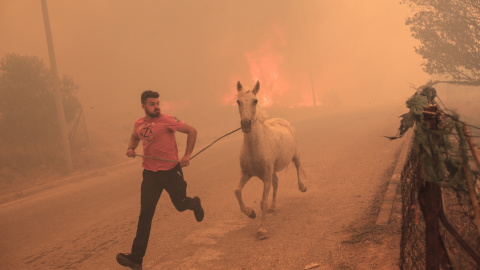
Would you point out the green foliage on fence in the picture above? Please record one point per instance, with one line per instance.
(442, 157)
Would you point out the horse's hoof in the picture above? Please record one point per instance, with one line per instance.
(262, 234)
(271, 210)
(302, 189)
(252, 214)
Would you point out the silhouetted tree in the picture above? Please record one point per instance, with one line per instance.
(449, 35)
(27, 102)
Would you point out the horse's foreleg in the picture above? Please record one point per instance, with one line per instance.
(300, 172)
(274, 195)
(238, 193)
(262, 232)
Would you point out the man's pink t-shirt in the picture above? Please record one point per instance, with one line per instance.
(158, 140)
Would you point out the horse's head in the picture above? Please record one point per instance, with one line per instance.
(247, 105)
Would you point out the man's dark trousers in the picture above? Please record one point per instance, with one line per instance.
(152, 186)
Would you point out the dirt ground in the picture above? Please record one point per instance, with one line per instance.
(84, 222)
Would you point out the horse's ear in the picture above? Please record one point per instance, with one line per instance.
(256, 88)
(239, 86)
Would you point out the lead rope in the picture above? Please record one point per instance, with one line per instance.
(205, 148)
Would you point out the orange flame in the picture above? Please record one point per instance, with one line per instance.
(265, 66)
(264, 62)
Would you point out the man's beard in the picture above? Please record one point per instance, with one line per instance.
(154, 114)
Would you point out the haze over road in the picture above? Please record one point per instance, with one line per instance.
(82, 225)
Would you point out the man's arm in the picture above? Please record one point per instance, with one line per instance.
(191, 139)
(134, 140)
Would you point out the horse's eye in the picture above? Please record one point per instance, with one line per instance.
(255, 101)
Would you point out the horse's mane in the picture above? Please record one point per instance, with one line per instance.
(261, 114)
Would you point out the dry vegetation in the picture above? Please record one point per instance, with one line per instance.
(24, 167)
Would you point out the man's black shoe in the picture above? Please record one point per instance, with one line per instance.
(197, 209)
(129, 260)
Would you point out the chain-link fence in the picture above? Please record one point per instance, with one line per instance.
(438, 221)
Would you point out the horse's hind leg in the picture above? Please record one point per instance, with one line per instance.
(274, 196)
(300, 172)
(238, 193)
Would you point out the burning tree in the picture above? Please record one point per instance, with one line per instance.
(449, 35)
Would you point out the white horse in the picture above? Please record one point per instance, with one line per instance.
(268, 147)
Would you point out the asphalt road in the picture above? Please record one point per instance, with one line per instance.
(83, 224)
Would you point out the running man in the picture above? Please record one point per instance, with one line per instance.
(157, 133)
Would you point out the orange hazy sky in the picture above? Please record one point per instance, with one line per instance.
(352, 53)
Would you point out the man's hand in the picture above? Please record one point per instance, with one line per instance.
(185, 161)
(130, 152)
(134, 140)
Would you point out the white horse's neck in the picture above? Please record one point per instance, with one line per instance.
(254, 139)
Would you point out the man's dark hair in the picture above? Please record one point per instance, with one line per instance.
(148, 94)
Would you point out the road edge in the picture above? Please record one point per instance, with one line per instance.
(390, 194)
(72, 178)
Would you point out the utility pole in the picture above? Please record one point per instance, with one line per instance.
(58, 95)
